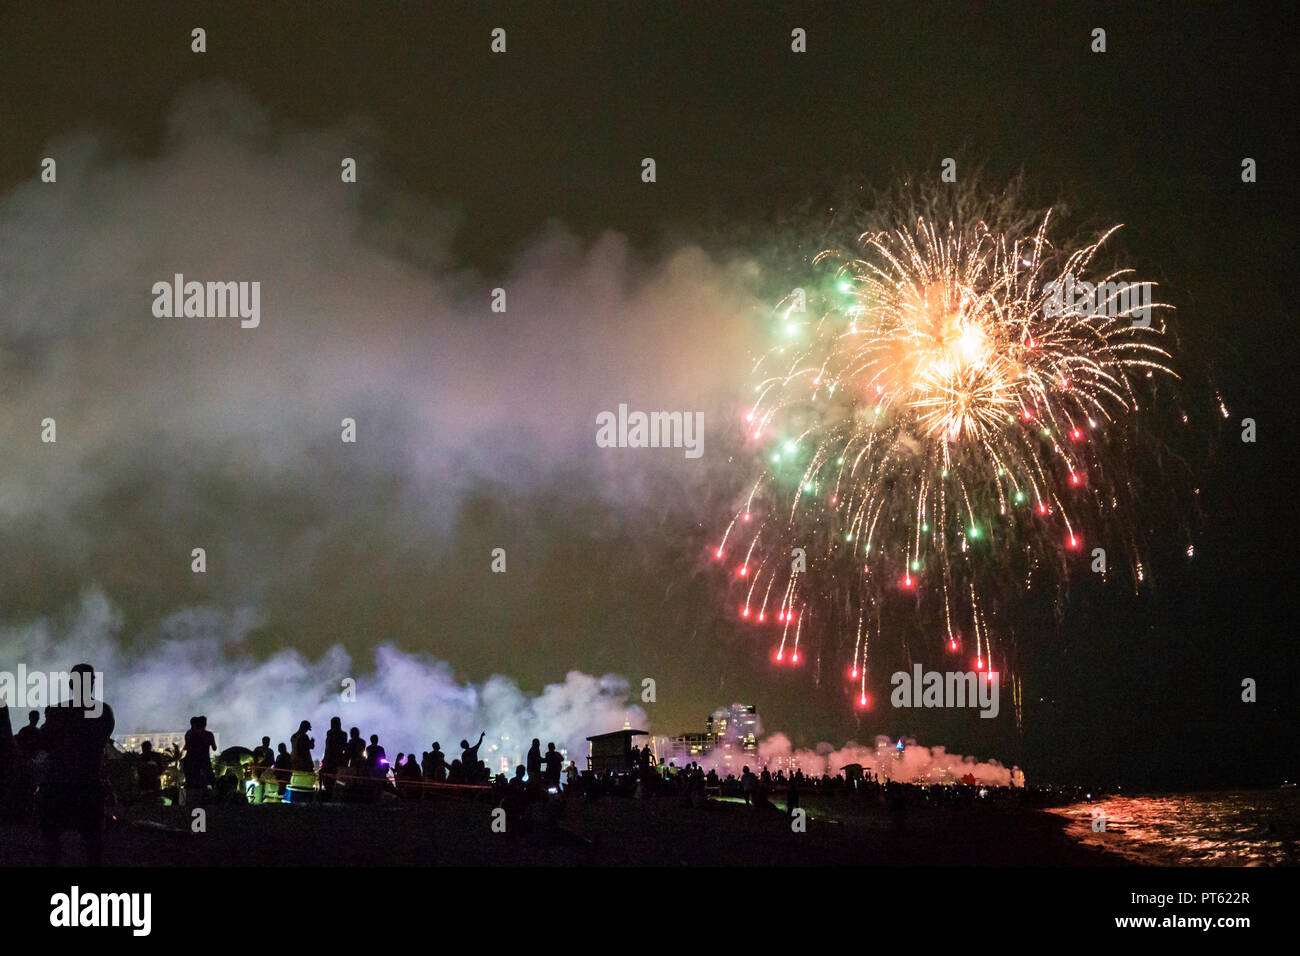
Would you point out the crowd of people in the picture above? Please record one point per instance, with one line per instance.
(58, 770)
(58, 767)
(350, 767)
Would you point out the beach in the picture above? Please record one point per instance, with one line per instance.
(611, 831)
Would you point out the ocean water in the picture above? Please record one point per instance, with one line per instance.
(1227, 828)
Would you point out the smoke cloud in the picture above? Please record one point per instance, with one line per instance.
(475, 429)
(912, 763)
(195, 663)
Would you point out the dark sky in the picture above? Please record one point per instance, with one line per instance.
(483, 170)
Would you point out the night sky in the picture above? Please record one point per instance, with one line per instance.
(522, 170)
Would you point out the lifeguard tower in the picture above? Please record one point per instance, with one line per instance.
(612, 753)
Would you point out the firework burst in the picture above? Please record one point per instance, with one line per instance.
(940, 420)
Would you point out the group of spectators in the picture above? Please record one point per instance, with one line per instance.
(350, 767)
(57, 768)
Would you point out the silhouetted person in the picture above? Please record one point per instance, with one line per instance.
(204, 745)
(748, 785)
(514, 800)
(376, 757)
(263, 760)
(469, 759)
(553, 762)
(301, 760)
(535, 761)
(75, 735)
(437, 771)
(283, 767)
(28, 740)
(197, 762)
(148, 773)
(356, 749)
(408, 778)
(336, 754)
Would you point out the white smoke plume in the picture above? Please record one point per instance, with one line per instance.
(194, 665)
(913, 763)
(475, 430)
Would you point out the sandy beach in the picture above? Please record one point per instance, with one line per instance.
(605, 832)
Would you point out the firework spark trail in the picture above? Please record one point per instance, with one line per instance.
(940, 428)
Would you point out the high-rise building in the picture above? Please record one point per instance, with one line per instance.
(737, 724)
(730, 738)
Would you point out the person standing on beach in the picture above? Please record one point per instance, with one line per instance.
(437, 764)
(469, 758)
(282, 764)
(197, 762)
(535, 762)
(748, 785)
(302, 742)
(336, 754)
(75, 735)
(553, 761)
(377, 758)
(263, 760)
(356, 751)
